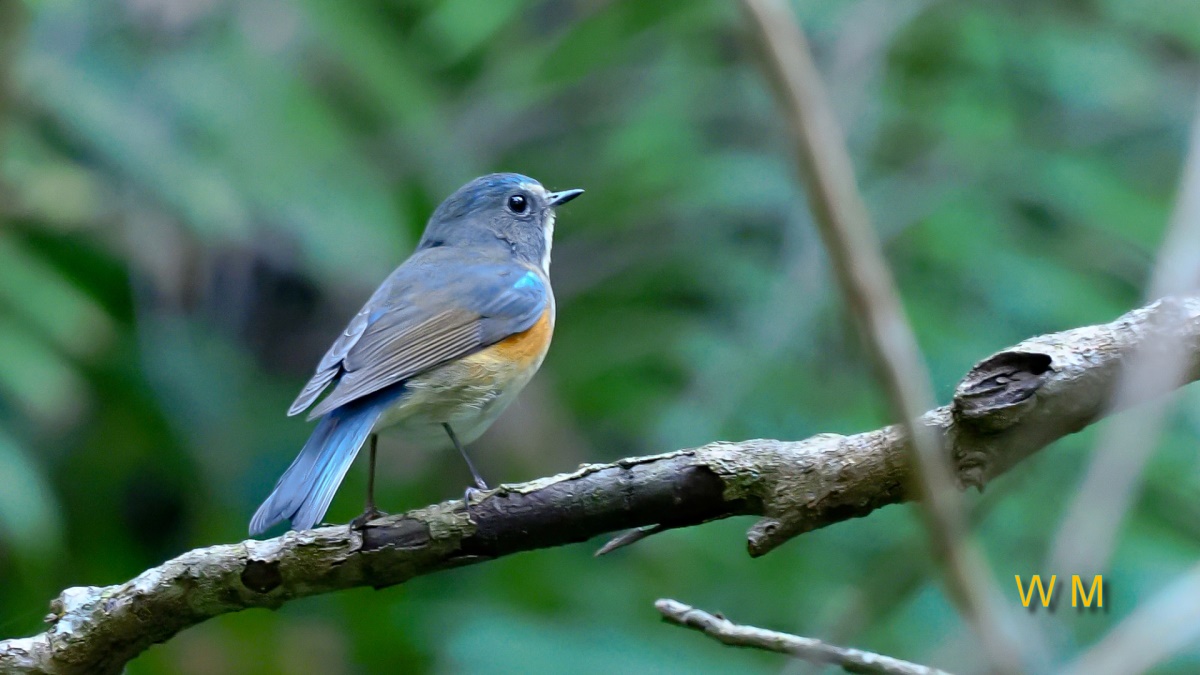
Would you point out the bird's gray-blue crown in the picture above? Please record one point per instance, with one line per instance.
(499, 210)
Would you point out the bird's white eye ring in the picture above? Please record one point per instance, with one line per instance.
(518, 203)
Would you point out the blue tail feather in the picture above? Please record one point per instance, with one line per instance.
(305, 490)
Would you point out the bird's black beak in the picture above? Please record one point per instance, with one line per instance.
(560, 198)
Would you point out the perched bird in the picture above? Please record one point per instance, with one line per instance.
(441, 348)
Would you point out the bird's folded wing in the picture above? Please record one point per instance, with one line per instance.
(331, 364)
(415, 326)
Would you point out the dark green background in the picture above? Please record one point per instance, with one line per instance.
(197, 194)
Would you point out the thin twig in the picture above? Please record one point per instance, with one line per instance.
(629, 538)
(1088, 533)
(863, 276)
(810, 649)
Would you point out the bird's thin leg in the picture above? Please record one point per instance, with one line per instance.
(470, 465)
(371, 476)
(369, 511)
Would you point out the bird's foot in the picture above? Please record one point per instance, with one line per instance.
(470, 493)
(368, 514)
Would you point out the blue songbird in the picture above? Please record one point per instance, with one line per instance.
(441, 348)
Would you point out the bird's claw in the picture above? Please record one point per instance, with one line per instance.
(369, 514)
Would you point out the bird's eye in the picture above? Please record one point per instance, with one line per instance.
(517, 204)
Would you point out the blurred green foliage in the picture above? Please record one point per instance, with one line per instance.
(195, 195)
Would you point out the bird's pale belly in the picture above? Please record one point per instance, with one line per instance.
(470, 393)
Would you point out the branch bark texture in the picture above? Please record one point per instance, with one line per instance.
(1009, 406)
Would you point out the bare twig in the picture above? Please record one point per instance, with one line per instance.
(1088, 532)
(629, 538)
(810, 649)
(863, 275)
(1009, 406)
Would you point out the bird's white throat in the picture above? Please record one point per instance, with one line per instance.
(548, 230)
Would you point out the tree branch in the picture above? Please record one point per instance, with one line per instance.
(1009, 406)
(810, 649)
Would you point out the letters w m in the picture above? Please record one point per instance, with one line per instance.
(1045, 593)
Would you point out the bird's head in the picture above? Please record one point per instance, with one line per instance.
(499, 209)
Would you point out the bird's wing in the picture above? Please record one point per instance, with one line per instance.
(421, 317)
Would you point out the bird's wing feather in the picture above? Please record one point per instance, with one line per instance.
(331, 364)
(420, 318)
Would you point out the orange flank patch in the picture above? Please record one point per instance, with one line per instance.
(527, 347)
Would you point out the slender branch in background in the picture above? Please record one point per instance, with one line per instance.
(1088, 534)
(864, 278)
(1155, 631)
(1009, 405)
(809, 649)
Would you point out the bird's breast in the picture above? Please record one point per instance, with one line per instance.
(523, 350)
(471, 392)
